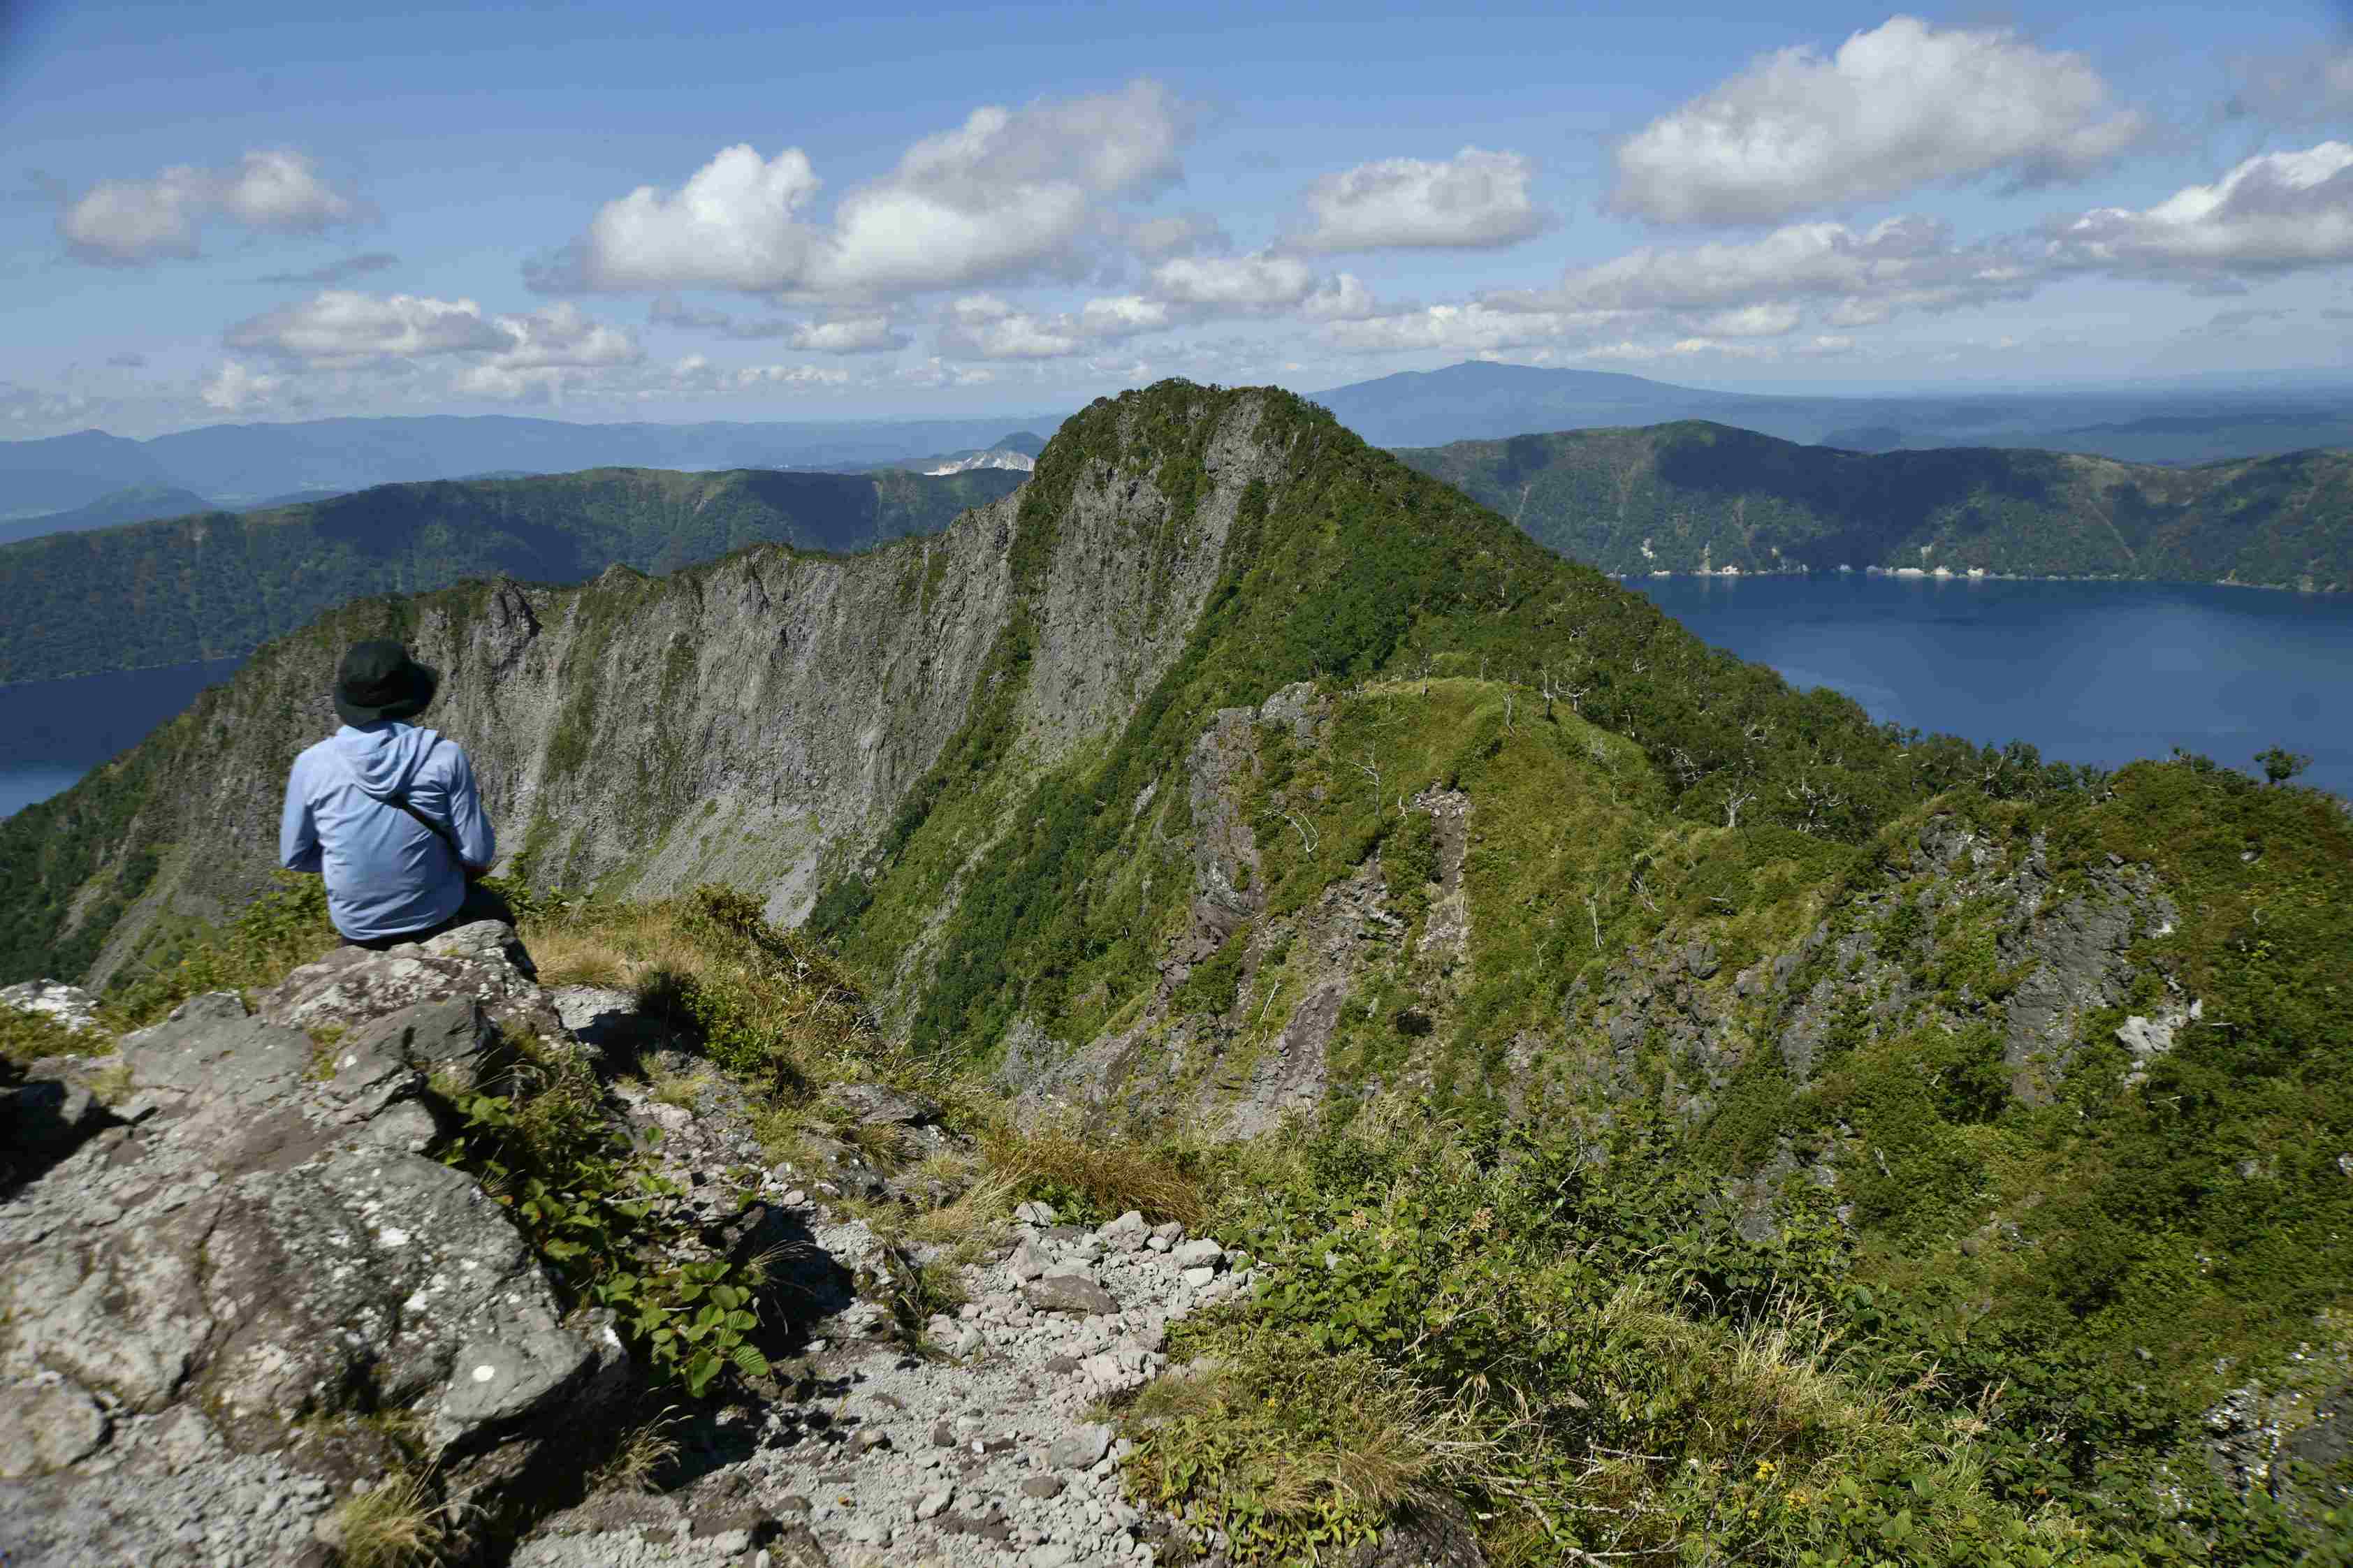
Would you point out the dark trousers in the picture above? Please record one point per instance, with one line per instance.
(481, 904)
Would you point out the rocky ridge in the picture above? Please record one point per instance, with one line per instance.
(756, 720)
(248, 1295)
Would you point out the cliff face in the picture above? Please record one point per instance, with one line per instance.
(745, 721)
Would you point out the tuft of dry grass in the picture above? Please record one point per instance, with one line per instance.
(1772, 1388)
(1113, 1177)
(767, 1005)
(639, 1460)
(1301, 1436)
(682, 1090)
(391, 1526)
(569, 954)
(969, 1225)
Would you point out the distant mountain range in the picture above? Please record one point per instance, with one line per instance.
(240, 466)
(1477, 401)
(136, 503)
(1699, 497)
(219, 582)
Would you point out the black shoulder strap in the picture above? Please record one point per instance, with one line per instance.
(401, 803)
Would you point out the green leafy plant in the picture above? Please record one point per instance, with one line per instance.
(591, 1207)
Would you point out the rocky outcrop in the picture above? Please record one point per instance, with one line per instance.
(2059, 953)
(211, 1311)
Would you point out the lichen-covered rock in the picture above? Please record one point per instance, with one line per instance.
(261, 1250)
(352, 986)
(45, 1426)
(71, 1005)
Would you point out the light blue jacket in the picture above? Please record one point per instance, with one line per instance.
(387, 874)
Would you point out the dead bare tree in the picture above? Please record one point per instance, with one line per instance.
(1593, 912)
(1818, 803)
(1371, 770)
(1733, 804)
(1307, 841)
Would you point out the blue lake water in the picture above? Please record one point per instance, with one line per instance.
(2089, 672)
(53, 732)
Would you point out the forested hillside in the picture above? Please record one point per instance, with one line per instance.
(220, 583)
(1698, 496)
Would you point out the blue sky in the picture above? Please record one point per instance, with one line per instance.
(240, 212)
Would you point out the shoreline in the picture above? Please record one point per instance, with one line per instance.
(1975, 575)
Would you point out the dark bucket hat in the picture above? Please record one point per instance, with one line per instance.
(378, 680)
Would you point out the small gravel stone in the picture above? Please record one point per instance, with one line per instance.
(1081, 1447)
(1198, 1254)
(1069, 1293)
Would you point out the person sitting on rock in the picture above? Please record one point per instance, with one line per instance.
(388, 812)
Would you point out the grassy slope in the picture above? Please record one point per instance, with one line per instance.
(2135, 1234)
(1707, 496)
(1353, 567)
(215, 584)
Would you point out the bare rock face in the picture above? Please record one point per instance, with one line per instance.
(352, 986)
(222, 1290)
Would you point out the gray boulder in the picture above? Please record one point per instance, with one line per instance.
(1081, 1447)
(1068, 1293)
(352, 986)
(233, 1284)
(874, 1105)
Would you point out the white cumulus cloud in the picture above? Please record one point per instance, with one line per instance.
(1260, 282)
(851, 334)
(1901, 106)
(982, 326)
(342, 326)
(2275, 212)
(537, 354)
(1008, 193)
(127, 222)
(734, 225)
(1751, 321)
(1476, 199)
(1857, 274)
(1472, 328)
(848, 335)
(236, 388)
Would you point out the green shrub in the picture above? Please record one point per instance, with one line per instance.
(591, 1208)
(278, 932)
